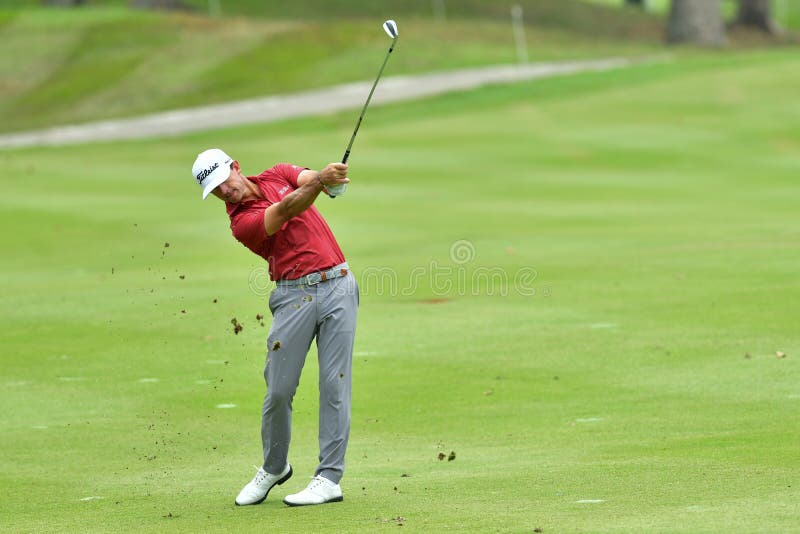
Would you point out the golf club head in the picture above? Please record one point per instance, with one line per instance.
(390, 27)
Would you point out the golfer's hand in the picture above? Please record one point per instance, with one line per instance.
(334, 174)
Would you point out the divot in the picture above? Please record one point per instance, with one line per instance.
(92, 498)
(201, 382)
(71, 378)
(590, 501)
(148, 380)
(225, 406)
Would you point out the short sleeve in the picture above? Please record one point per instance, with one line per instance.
(248, 228)
(289, 172)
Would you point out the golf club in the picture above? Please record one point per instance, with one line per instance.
(390, 27)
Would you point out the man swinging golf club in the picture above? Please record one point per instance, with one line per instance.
(316, 296)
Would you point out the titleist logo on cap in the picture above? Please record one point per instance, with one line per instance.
(205, 172)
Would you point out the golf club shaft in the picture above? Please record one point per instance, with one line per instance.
(364, 110)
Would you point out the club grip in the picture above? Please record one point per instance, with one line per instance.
(338, 190)
(344, 160)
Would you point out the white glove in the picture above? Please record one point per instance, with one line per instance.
(336, 190)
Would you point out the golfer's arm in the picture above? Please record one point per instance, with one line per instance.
(307, 176)
(292, 204)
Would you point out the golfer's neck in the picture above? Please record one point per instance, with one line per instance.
(253, 192)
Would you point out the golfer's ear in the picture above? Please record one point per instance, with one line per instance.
(235, 166)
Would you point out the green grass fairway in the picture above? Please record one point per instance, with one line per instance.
(578, 286)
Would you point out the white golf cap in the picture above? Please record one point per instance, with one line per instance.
(211, 168)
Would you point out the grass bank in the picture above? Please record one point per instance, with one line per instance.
(74, 65)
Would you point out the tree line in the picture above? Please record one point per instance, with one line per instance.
(701, 21)
(690, 21)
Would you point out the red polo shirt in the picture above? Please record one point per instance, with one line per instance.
(303, 245)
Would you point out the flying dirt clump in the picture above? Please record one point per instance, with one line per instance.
(237, 327)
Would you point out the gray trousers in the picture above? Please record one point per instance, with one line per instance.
(328, 312)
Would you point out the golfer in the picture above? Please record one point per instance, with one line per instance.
(315, 296)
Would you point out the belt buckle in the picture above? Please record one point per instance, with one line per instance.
(313, 279)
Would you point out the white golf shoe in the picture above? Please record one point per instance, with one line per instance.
(319, 491)
(257, 489)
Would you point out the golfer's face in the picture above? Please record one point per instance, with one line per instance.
(231, 190)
